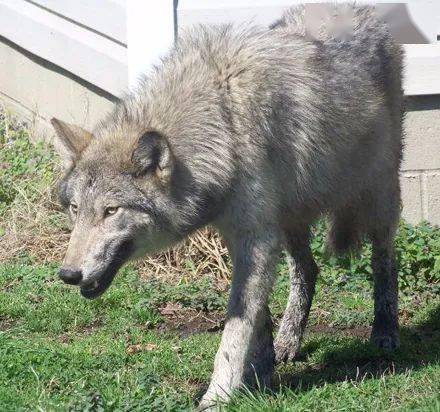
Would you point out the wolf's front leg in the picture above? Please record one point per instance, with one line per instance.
(246, 354)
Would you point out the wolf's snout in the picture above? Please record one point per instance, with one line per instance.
(70, 276)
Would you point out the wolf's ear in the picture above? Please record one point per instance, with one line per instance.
(71, 141)
(153, 155)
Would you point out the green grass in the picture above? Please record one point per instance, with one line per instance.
(59, 351)
(24, 167)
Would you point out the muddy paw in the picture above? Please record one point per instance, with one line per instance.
(386, 342)
(207, 406)
(285, 353)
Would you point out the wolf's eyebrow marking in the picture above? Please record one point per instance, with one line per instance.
(144, 206)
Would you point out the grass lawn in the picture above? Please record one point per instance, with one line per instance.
(149, 342)
(150, 346)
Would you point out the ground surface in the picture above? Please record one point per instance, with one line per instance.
(150, 346)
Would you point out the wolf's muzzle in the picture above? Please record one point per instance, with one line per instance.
(70, 276)
(103, 280)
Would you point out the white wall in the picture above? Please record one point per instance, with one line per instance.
(150, 28)
(89, 38)
(424, 13)
(84, 37)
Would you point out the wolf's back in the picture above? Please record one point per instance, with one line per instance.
(365, 49)
(350, 26)
(328, 22)
(362, 40)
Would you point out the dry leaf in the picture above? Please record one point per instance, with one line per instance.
(132, 349)
(170, 309)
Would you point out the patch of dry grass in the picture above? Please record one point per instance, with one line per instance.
(202, 254)
(40, 230)
(34, 229)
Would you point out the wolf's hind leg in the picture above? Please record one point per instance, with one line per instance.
(383, 217)
(385, 333)
(303, 273)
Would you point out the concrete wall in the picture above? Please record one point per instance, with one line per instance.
(84, 37)
(38, 90)
(421, 164)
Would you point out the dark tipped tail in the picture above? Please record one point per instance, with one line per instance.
(344, 235)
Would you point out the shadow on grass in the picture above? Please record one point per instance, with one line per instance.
(336, 359)
(331, 358)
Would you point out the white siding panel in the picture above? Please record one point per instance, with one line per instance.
(424, 13)
(151, 29)
(105, 16)
(260, 15)
(88, 55)
(225, 11)
(422, 72)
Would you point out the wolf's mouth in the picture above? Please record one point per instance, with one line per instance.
(96, 288)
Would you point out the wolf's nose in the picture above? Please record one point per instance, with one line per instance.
(70, 276)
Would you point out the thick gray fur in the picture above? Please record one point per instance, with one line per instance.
(258, 132)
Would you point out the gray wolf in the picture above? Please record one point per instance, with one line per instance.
(258, 132)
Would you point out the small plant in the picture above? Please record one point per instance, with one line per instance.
(417, 253)
(24, 166)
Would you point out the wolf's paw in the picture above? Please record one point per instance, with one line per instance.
(207, 406)
(386, 341)
(216, 397)
(285, 353)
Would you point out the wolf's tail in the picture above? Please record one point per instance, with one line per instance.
(345, 234)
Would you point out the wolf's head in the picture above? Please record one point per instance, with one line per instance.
(117, 191)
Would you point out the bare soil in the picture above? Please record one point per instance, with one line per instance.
(187, 322)
(6, 324)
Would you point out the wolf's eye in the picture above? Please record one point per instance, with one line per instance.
(110, 211)
(73, 208)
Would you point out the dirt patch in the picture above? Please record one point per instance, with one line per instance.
(186, 321)
(65, 338)
(147, 347)
(6, 324)
(90, 329)
(362, 332)
(86, 330)
(10, 285)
